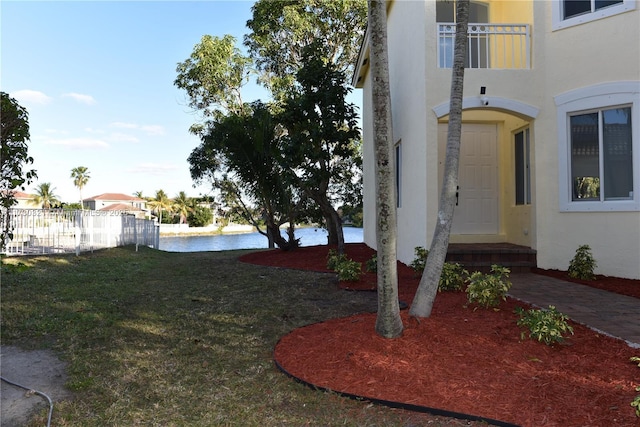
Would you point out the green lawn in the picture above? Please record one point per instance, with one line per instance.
(179, 339)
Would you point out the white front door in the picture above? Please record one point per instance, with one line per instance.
(476, 211)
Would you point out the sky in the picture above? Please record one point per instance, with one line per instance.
(97, 81)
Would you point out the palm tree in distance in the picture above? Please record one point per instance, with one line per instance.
(161, 202)
(80, 177)
(182, 205)
(44, 196)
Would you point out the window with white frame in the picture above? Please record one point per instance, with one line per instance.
(567, 13)
(599, 147)
(601, 163)
(523, 170)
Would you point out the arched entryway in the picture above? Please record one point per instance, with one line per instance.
(496, 171)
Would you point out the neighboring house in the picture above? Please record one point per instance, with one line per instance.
(116, 202)
(24, 201)
(550, 152)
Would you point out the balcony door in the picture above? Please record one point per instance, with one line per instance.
(478, 49)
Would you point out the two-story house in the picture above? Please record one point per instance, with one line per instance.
(550, 150)
(116, 202)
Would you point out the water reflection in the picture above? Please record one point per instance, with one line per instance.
(224, 242)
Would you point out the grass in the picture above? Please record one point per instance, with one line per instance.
(179, 339)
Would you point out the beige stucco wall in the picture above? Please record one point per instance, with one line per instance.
(561, 61)
(406, 29)
(613, 236)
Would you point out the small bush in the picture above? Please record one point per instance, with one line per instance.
(334, 258)
(453, 277)
(372, 264)
(349, 270)
(635, 403)
(547, 326)
(420, 260)
(487, 290)
(582, 264)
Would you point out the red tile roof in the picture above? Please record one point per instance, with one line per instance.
(21, 195)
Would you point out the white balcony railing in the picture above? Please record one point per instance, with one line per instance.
(496, 46)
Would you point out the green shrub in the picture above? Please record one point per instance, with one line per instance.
(200, 217)
(420, 260)
(547, 326)
(334, 258)
(349, 270)
(635, 403)
(453, 277)
(487, 290)
(582, 264)
(372, 264)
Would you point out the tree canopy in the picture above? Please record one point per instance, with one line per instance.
(261, 171)
(45, 196)
(321, 146)
(14, 156)
(80, 177)
(239, 154)
(281, 30)
(14, 134)
(214, 75)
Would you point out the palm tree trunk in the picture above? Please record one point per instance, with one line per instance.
(388, 321)
(428, 287)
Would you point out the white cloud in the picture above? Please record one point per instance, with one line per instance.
(153, 168)
(28, 96)
(123, 137)
(148, 129)
(153, 129)
(81, 98)
(77, 142)
(92, 130)
(123, 125)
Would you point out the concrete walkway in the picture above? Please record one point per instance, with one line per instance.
(613, 314)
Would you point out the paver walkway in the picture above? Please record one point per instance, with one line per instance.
(610, 313)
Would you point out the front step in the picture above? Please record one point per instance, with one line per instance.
(481, 256)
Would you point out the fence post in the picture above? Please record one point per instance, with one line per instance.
(77, 216)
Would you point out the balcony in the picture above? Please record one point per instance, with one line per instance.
(495, 46)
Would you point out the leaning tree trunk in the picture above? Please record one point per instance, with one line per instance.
(273, 231)
(334, 223)
(388, 321)
(428, 287)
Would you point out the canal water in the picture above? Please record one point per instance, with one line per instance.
(224, 242)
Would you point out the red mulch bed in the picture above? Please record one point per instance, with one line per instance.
(629, 287)
(462, 359)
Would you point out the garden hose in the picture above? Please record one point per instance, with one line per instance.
(35, 392)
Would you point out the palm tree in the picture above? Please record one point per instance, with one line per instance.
(80, 177)
(44, 196)
(388, 321)
(161, 202)
(428, 287)
(182, 205)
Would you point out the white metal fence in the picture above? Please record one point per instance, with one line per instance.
(497, 46)
(47, 231)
